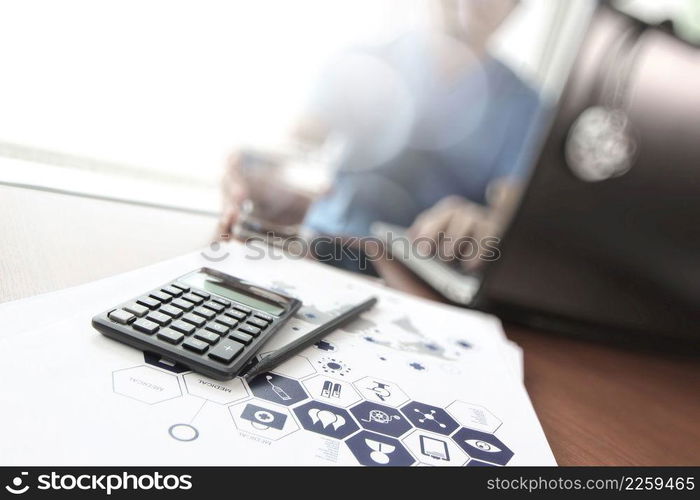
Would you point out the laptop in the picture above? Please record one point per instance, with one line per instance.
(605, 243)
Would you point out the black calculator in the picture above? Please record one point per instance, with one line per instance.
(209, 321)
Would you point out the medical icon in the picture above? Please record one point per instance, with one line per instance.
(482, 446)
(474, 416)
(382, 391)
(263, 418)
(331, 390)
(325, 419)
(434, 448)
(277, 389)
(380, 451)
(333, 366)
(336, 392)
(380, 418)
(376, 450)
(429, 418)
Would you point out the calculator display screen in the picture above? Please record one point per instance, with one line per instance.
(214, 285)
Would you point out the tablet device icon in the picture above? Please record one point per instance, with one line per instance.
(434, 448)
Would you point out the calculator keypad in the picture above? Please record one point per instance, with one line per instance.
(226, 351)
(197, 321)
(193, 320)
(170, 335)
(191, 297)
(145, 326)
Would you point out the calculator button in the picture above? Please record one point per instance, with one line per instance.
(170, 336)
(171, 311)
(208, 337)
(171, 290)
(263, 316)
(214, 306)
(223, 302)
(163, 297)
(197, 321)
(202, 294)
(121, 316)
(225, 320)
(241, 308)
(161, 319)
(260, 323)
(195, 345)
(182, 304)
(195, 299)
(226, 351)
(250, 329)
(182, 287)
(218, 328)
(137, 309)
(235, 314)
(203, 311)
(149, 302)
(145, 326)
(241, 337)
(183, 327)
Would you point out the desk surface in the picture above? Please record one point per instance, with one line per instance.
(598, 405)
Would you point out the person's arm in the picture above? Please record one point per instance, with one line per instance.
(309, 131)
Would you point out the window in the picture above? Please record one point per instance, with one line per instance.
(144, 100)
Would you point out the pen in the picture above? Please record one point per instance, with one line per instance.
(289, 350)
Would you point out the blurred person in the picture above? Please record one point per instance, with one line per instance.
(435, 131)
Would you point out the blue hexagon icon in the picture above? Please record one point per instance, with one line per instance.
(429, 418)
(325, 419)
(380, 418)
(277, 389)
(483, 446)
(377, 450)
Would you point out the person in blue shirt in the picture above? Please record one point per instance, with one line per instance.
(435, 131)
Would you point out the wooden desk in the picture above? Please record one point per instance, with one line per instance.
(598, 405)
(601, 405)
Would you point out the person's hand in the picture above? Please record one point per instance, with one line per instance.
(235, 189)
(455, 228)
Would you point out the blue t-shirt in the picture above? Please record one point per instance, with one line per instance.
(413, 137)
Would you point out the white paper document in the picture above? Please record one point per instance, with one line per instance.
(411, 382)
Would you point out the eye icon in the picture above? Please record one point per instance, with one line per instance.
(482, 445)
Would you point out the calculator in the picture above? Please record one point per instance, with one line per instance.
(207, 320)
